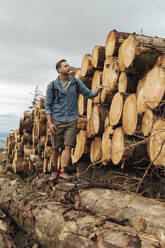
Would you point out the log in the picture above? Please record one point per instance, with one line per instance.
(147, 122)
(90, 128)
(106, 145)
(140, 51)
(89, 108)
(82, 123)
(110, 73)
(81, 146)
(113, 42)
(122, 85)
(55, 224)
(97, 217)
(129, 118)
(98, 57)
(99, 113)
(141, 105)
(95, 150)
(82, 105)
(144, 215)
(20, 166)
(116, 109)
(106, 92)
(156, 143)
(154, 87)
(86, 66)
(117, 146)
(96, 81)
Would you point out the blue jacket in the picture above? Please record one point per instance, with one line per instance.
(64, 108)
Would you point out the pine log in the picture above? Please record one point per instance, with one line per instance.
(6, 240)
(26, 137)
(154, 87)
(82, 105)
(129, 118)
(98, 57)
(82, 123)
(90, 128)
(106, 145)
(106, 122)
(99, 113)
(128, 82)
(161, 61)
(113, 42)
(54, 224)
(86, 66)
(87, 81)
(122, 85)
(96, 81)
(89, 108)
(41, 103)
(81, 146)
(141, 105)
(25, 124)
(156, 143)
(147, 122)
(110, 73)
(95, 150)
(117, 147)
(142, 51)
(116, 109)
(144, 215)
(78, 73)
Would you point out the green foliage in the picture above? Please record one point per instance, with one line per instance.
(36, 96)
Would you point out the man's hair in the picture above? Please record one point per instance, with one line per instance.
(58, 64)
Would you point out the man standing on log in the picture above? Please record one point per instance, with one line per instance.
(61, 108)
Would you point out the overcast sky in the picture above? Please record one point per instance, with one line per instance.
(34, 34)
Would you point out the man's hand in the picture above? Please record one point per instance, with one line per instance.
(98, 89)
(52, 127)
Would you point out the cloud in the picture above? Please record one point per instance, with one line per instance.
(8, 122)
(36, 34)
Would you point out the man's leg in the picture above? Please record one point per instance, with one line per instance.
(54, 169)
(55, 154)
(66, 156)
(69, 142)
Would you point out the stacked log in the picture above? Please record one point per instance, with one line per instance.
(127, 113)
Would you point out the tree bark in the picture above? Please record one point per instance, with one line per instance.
(55, 224)
(79, 216)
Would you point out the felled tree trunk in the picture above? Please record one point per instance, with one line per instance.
(98, 57)
(86, 66)
(113, 41)
(56, 224)
(140, 51)
(116, 109)
(156, 143)
(129, 118)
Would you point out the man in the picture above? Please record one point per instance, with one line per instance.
(61, 108)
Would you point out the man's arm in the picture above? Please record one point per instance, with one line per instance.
(51, 126)
(87, 92)
(48, 105)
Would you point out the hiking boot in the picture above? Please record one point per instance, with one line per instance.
(54, 174)
(64, 174)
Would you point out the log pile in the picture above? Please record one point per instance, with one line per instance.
(128, 113)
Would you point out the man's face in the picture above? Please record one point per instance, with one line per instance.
(64, 68)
